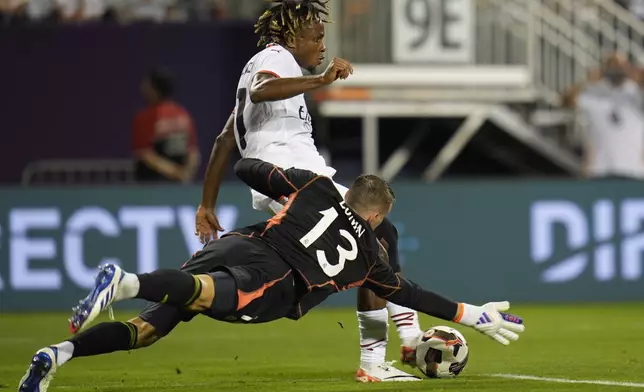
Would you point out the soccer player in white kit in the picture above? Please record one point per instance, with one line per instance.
(271, 122)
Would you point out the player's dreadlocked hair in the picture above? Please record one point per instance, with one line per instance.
(285, 17)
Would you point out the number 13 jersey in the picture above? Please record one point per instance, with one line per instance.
(324, 241)
(278, 132)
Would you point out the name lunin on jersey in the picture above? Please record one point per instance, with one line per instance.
(357, 226)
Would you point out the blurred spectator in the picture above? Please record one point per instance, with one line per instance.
(58, 10)
(13, 11)
(142, 10)
(197, 10)
(571, 95)
(39, 10)
(612, 122)
(80, 10)
(168, 10)
(164, 142)
(125, 11)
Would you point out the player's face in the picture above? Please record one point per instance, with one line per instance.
(309, 46)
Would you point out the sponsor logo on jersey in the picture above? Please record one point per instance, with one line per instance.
(306, 117)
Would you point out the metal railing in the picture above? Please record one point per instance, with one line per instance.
(366, 31)
(79, 172)
(559, 40)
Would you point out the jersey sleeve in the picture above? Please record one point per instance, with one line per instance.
(387, 284)
(271, 180)
(275, 64)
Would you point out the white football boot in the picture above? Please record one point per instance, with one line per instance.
(41, 371)
(99, 299)
(383, 372)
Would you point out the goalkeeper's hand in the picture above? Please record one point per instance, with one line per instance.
(490, 320)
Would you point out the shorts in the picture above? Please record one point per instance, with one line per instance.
(252, 285)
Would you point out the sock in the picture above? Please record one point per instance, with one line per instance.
(65, 352)
(174, 287)
(373, 326)
(128, 287)
(406, 321)
(104, 338)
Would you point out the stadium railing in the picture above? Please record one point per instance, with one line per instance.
(79, 172)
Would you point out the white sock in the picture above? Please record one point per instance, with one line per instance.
(65, 352)
(406, 321)
(373, 326)
(128, 287)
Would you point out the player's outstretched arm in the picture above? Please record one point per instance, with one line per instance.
(206, 223)
(488, 319)
(271, 180)
(267, 87)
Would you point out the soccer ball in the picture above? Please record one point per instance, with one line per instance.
(442, 352)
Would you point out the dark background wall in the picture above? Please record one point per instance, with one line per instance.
(72, 91)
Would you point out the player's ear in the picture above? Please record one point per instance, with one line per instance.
(373, 220)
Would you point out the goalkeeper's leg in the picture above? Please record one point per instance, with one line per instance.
(100, 339)
(173, 287)
(177, 293)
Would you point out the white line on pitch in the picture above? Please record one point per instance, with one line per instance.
(568, 380)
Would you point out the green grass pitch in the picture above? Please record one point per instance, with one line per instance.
(588, 343)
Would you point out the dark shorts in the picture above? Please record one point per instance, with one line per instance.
(252, 285)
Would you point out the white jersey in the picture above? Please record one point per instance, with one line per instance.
(614, 128)
(278, 132)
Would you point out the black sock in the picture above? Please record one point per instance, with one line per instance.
(173, 287)
(104, 338)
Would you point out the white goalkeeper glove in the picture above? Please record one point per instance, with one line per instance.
(490, 320)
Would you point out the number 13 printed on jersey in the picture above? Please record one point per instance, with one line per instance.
(331, 270)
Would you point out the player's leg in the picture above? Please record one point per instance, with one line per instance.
(112, 283)
(178, 289)
(373, 322)
(405, 319)
(174, 287)
(409, 331)
(100, 339)
(373, 325)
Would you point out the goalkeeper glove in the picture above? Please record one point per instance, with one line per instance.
(490, 320)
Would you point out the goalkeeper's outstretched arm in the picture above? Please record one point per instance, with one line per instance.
(488, 319)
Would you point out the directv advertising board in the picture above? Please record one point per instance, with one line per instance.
(526, 242)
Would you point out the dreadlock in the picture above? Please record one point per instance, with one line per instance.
(285, 17)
